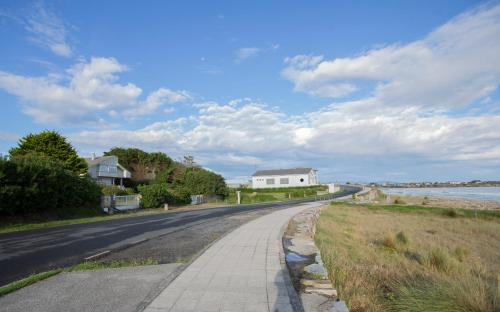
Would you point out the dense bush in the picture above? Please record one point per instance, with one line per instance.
(201, 181)
(198, 181)
(154, 195)
(297, 190)
(116, 190)
(38, 185)
(144, 166)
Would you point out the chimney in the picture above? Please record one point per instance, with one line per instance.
(93, 156)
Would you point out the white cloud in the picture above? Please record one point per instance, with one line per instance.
(156, 99)
(248, 132)
(454, 65)
(244, 53)
(9, 136)
(48, 30)
(85, 93)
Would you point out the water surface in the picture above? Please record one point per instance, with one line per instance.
(475, 193)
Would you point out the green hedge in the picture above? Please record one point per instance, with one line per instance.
(34, 185)
(116, 190)
(310, 190)
(156, 195)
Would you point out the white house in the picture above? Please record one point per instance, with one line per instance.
(285, 178)
(106, 170)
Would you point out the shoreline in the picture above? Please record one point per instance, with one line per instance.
(378, 195)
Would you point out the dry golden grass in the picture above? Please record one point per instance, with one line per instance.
(400, 261)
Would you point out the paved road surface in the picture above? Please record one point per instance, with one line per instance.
(167, 238)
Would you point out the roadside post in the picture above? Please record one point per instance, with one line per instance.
(165, 206)
(238, 196)
(112, 204)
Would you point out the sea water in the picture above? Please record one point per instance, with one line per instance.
(475, 193)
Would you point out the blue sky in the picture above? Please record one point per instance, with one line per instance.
(363, 91)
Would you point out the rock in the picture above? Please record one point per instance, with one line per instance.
(293, 257)
(321, 291)
(316, 269)
(339, 306)
(323, 284)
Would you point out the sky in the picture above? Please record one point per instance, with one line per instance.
(360, 90)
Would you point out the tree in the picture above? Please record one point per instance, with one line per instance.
(52, 145)
(196, 180)
(144, 166)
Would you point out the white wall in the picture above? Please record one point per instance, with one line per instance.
(293, 180)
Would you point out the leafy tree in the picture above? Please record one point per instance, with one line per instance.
(144, 166)
(52, 145)
(196, 180)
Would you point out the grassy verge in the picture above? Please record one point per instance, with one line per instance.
(420, 209)
(411, 258)
(84, 266)
(252, 196)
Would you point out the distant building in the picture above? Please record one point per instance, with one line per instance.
(106, 170)
(285, 178)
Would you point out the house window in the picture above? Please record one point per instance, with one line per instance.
(284, 181)
(269, 181)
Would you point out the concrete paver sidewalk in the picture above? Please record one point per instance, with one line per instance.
(241, 272)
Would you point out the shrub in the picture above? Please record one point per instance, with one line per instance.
(402, 238)
(112, 190)
(399, 201)
(461, 253)
(451, 213)
(154, 195)
(130, 191)
(389, 241)
(34, 185)
(440, 260)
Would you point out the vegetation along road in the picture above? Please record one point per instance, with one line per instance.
(166, 238)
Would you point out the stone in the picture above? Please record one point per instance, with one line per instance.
(316, 269)
(321, 291)
(339, 306)
(323, 284)
(293, 257)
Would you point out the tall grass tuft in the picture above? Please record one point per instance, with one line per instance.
(461, 253)
(440, 259)
(403, 238)
(389, 241)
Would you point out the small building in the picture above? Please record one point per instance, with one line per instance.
(106, 170)
(285, 178)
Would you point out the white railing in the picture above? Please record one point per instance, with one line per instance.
(121, 202)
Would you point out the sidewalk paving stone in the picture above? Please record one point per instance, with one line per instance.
(243, 271)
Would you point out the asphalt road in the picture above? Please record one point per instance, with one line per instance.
(173, 237)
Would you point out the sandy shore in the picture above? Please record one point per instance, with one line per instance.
(378, 196)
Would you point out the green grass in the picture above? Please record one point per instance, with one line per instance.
(27, 281)
(84, 266)
(252, 196)
(307, 189)
(419, 209)
(20, 226)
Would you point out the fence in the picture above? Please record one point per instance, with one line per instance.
(122, 202)
(202, 199)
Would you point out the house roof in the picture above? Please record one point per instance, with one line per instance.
(96, 160)
(282, 172)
